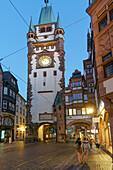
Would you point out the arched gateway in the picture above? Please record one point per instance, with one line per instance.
(46, 131)
(79, 128)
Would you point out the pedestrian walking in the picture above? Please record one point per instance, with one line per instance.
(79, 150)
(86, 147)
(90, 142)
(97, 143)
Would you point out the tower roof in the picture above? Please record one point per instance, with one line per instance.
(58, 100)
(31, 27)
(46, 16)
(58, 25)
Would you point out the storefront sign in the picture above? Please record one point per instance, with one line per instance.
(96, 119)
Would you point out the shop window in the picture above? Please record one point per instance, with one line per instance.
(83, 111)
(35, 74)
(106, 57)
(4, 104)
(78, 111)
(108, 70)
(5, 90)
(111, 15)
(44, 74)
(103, 23)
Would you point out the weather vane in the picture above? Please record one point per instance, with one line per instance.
(46, 1)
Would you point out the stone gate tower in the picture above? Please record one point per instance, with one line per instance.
(46, 66)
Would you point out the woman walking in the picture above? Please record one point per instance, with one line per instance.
(79, 150)
(86, 147)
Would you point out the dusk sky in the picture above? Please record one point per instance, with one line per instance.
(13, 34)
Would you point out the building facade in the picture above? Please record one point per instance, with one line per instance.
(46, 66)
(20, 118)
(9, 91)
(80, 101)
(101, 13)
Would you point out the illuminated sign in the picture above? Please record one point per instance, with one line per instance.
(3, 134)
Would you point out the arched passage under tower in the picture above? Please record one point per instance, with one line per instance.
(79, 128)
(46, 132)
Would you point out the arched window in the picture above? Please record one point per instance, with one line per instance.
(60, 32)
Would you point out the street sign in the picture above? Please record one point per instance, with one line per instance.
(96, 119)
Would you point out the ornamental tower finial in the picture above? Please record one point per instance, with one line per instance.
(46, 1)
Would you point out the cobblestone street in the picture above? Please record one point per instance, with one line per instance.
(49, 156)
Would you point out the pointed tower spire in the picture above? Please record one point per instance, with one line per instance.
(58, 25)
(31, 27)
(46, 1)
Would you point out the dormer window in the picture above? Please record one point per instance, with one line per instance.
(48, 29)
(31, 35)
(57, 32)
(60, 32)
(42, 29)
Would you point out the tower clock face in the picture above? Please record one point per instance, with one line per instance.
(45, 61)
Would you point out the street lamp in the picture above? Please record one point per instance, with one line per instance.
(90, 111)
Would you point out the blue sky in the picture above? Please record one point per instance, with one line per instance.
(13, 34)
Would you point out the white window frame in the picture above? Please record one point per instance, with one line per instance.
(76, 97)
(5, 90)
(74, 111)
(80, 98)
(85, 97)
(70, 112)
